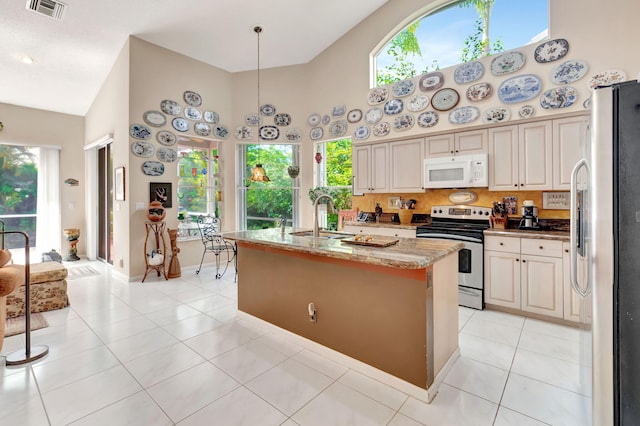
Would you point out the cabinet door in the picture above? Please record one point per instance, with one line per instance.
(535, 155)
(467, 143)
(503, 158)
(569, 135)
(379, 170)
(573, 303)
(406, 164)
(439, 145)
(502, 278)
(361, 158)
(542, 290)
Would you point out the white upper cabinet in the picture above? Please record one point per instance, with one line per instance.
(406, 168)
(462, 143)
(569, 135)
(503, 158)
(370, 168)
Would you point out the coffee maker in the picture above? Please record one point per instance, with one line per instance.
(529, 216)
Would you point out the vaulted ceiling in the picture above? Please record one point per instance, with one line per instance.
(73, 56)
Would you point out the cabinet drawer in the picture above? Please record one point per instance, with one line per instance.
(504, 244)
(538, 247)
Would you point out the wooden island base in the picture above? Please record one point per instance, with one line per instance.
(401, 321)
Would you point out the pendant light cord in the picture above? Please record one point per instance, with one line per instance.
(258, 29)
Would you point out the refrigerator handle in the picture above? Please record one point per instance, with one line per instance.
(574, 227)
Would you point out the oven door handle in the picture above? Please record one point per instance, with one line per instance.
(450, 237)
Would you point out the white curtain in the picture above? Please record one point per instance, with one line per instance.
(48, 221)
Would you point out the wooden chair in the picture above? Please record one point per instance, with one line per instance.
(343, 215)
(214, 242)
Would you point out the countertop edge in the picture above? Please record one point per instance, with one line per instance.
(521, 233)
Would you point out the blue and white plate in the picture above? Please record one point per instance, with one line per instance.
(316, 133)
(403, 122)
(569, 71)
(269, 133)
(142, 149)
(140, 131)
(166, 138)
(417, 103)
(202, 129)
(338, 110)
(244, 132)
(468, 72)
(170, 107)
(362, 133)
(326, 119)
(282, 119)
(559, 97)
(428, 119)
(463, 115)
(253, 120)
(193, 113)
(393, 106)
(431, 81)
(221, 131)
(479, 92)
(520, 88)
(527, 111)
(377, 95)
(192, 98)
(180, 124)
(314, 119)
(381, 129)
(153, 168)
(166, 155)
(403, 88)
(551, 50)
(268, 110)
(293, 135)
(373, 115)
(211, 117)
(154, 118)
(496, 115)
(507, 63)
(338, 128)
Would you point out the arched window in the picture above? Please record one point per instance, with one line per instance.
(460, 31)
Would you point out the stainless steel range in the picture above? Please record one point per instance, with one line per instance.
(465, 224)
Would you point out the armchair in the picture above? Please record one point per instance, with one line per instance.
(214, 242)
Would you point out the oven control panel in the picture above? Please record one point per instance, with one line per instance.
(461, 212)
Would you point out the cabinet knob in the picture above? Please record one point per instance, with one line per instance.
(515, 185)
(517, 260)
(501, 244)
(541, 247)
(451, 152)
(457, 150)
(522, 184)
(524, 261)
(566, 250)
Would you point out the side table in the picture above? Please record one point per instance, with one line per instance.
(155, 259)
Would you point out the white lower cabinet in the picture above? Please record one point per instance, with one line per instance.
(572, 300)
(525, 274)
(378, 230)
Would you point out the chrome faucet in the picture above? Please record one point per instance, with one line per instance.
(316, 229)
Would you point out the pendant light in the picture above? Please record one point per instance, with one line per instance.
(258, 174)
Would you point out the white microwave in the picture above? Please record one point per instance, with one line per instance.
(460, 171)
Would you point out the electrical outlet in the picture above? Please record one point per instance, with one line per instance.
(556, 200)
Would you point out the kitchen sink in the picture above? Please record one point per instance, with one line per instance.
(323, 234)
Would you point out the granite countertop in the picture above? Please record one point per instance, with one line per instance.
(408, 253)
(383, 225)
(523, 233)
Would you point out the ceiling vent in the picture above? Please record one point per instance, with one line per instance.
(51, 8)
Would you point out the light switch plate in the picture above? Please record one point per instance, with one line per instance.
(556, 200)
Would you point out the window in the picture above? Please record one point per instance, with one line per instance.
(198, 179)
(334, 171)
(262, 204)
(461, 31)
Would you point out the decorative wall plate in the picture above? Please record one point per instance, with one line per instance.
(428, 119)
(381, 129)
(192, 98)
(586, 104)
(377, 95)
(354, 115)
(180, 124)
(373, 115)
(468, 72)
(140, 131)
(166, 138)
(507, 63)
(463, 197)
(520, 88)
(221, 131)
(403, 122)
(559, 97)
(154, 118)
(326, 119)
(269, 133)
(403, 88)
(244, 132)
(417, 103)
(527, 111)
(202, 129)
(362, 133)
(153, 168)
(211, 117)
(464, 115)
(393, 106)
(551, 50)
(193, 113)
(496, 115)
(479, 92)
(569, 71)
(338, 110)
(445, 99)
(338, 128)
(431, 81)
(282, 119)
(142, 149)
(268, 110)
(253, 120)
(316, 133)
(292, 135)
(170, 107)
(607, 78)
(314, 119)
(167, 155)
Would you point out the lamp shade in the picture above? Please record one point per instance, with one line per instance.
(258, 174)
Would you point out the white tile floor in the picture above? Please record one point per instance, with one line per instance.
(175, 352)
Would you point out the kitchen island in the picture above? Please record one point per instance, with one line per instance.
(394, 308)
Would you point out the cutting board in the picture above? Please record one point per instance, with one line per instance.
(375, 242)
